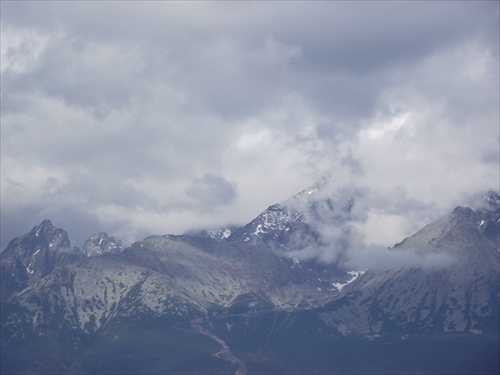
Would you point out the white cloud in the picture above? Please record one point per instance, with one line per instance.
(384, 228)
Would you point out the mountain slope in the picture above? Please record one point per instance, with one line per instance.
(162, 280)
(436, 314)
(292, 224)
(452, 287)
(173, 304)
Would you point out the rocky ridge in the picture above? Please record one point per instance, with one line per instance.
(243, 289)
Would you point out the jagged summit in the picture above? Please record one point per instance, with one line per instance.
(303, 222)
(102, 243)
(492, 198)
(275, 227)
(47, 232)
(45, 225)
(31, 257)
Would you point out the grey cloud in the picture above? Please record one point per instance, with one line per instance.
(378, 257)
(357, 225)
(354, 43)
(211, 191)
(94, 76)
(437, 260)
(121, 107)
(344, 218)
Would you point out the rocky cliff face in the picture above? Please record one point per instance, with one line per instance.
(33, 256)
(293, 224)
(102, 243)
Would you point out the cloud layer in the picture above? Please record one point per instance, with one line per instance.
(140, 118)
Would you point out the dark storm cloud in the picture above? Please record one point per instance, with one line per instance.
(113, 110)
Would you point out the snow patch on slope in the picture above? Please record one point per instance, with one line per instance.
(354, 276)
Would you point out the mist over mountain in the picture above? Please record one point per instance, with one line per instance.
(182, 115)
(154, 157)
(293, 291)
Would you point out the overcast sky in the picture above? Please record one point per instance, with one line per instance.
(139, 118)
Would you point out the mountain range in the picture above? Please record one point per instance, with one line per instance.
(244, 300)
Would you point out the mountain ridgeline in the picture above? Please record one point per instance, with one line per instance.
(237, 300)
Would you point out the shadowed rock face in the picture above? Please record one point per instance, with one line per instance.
(31, 257)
